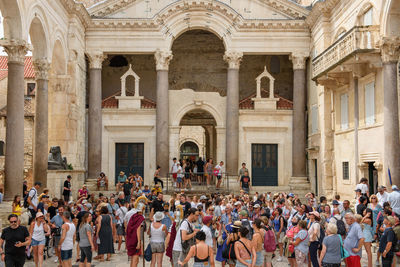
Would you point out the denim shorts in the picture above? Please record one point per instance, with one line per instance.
(37, 243)
(66, 254)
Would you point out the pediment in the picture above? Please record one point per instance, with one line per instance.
(246, 9)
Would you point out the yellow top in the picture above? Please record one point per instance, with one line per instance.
(18, 210)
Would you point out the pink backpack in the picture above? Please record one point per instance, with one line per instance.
(269, 240)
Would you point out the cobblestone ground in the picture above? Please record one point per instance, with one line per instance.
(121, 260)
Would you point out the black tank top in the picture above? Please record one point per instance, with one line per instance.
(202, 260)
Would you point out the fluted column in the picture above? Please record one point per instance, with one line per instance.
(40, 150)
(390, 56)
(95, 120)
(14, 160)
(233, 58)
(299, 115)
(162, 113)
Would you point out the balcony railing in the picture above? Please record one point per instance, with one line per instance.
(359, 39)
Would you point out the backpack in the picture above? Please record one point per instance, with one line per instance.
(186, 245)
(229, 251)
(26, 203)
(246, 223)
(269, 240)
(284, 223)
(321, 237)
(341, 227)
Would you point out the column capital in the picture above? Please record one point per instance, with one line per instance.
(299, 60)
(163, 57)
(41, 67)
(390, 49)
(16, 50)
(233, 58)
(96, 59)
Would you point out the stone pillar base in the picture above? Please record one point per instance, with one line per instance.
(56, 178)
(299, 183)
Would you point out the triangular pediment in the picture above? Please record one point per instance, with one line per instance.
(246, 9)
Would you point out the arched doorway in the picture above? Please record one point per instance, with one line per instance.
(199, 125)
(189, 150)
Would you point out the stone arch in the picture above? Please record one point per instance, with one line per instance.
(193, 106)
(339, 33)
(364, 8)
(39, 33)
(390, 18)
(12, 20)
(215, 17)
(185, 140)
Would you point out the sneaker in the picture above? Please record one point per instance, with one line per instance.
(56, 260)
(279, 259)
(377, 263)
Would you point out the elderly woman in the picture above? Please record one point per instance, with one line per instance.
(301, 245)
(331, 254)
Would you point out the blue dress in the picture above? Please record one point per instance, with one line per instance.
(375, 212)
(221, 248)
(368, 232)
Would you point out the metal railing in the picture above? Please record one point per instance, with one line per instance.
(357, 39)
(227, 179)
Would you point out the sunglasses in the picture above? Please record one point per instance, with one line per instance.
(13, 221)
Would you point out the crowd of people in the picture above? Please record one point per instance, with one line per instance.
(234, 230)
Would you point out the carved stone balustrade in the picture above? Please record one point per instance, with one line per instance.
(360, 39)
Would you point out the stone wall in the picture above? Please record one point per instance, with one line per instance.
(198, 64)
(194, 134)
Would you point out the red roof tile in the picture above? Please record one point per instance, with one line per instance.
(29, 71)
(282, 103)
(112, 102)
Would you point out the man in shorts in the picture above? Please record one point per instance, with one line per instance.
(55, 225)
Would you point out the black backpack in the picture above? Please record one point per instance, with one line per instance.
(229, 252)
(341, 227)
(187, 244)
(321, 237)
(26, 203)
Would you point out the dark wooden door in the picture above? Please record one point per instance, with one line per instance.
(264, 160)
(129, 158)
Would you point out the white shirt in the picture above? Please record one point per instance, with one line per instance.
(121, 213)
(180, 173)
(207, 231)
(394, 200)
(34, 197)
(177, 243)
(129, 214)
(174, 168)
(382, 198)
(219, 168)
(68, 243)
(363, 187)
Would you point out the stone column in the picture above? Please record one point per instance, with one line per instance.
(14, 156)
(233, 58)
(162, 113)
(40, 150)
(390, 56)
(95, 120)
(299, 116)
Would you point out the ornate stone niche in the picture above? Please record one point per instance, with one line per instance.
(261, 103)
(129, 102)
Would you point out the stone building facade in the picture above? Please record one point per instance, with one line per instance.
(292, 88)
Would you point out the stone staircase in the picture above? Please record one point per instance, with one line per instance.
(92, 187)
(300, 186)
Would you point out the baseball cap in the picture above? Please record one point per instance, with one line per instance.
(394, 187)
(243, 213)
(203, 197)
(335, 202)
(238, 203)
(257, 206)
(290, 195)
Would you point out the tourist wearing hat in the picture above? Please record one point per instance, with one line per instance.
(38, 230)
(157, 232)
(314, 235)
(121, 180)
(207, 221)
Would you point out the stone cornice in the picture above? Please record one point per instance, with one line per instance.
(41, 67)
(78, 9)
(162, 58)
(320, 8)
(299, 60)
(390, 49)
(286, 7)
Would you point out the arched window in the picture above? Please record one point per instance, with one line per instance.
(367, 18)
(275, 65)
(118, 61)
